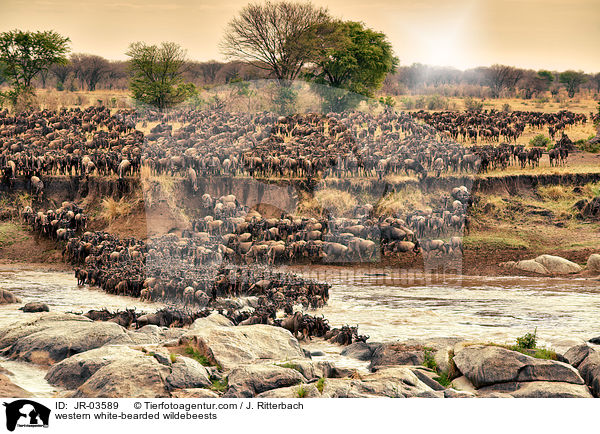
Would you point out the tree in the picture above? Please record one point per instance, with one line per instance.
(156, 74)
(273, 36)
(595, 79)
(534, 83)
(572, 80)
(356, 60)
(61, 72)
(89, 69)
(500, 77)
(27, 54)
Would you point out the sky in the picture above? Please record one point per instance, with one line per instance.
(538, 34)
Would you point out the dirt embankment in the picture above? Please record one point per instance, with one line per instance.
(165, 205)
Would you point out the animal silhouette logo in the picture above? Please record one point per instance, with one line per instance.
(26, 413)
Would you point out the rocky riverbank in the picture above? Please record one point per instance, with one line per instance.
(213, 358)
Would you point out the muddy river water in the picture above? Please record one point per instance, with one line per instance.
(387, 305)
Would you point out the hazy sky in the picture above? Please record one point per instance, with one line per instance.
(553, 34)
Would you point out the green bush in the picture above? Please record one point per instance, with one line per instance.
(528, 340)
(388, 101)
(540, 141)
(585, 145)
(321, 385)
(407, 103)
(472, 104)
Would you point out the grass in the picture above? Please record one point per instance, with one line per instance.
(220, 386)
(193, 353)
(444, 379)
(301, 393)
(112, 209)
(10, 233)
(289, 365)
(407, 199)
(494, 241)
(173, 357)
(320, 385)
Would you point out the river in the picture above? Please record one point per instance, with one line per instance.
(386, 305)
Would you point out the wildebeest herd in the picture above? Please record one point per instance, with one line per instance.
(230, 250)
(83, 143)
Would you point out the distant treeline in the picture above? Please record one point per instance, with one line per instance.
(91, 72)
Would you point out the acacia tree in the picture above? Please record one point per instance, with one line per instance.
(572, 80)
(27, 54)
(89, 69)
(156, 74)
(272, 36)
(500, 77)
(353, 65)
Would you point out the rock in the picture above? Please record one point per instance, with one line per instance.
(589, 369)
(427, 376)
(538, 389)
(360, 351)
(76, 370)
(397, 354)
(212, 320)
(138, 377)
(593, 263)
(51, 337)
(309, 369)
(484, 365)
(452, 393)
(193, 393)
(8, 389)
(7, 297)
(577, 354)
(463, 383)
(35, 306)
(558, 265)
(251, 380)
(188, 374)
(298, 391)
(233, 346)
(531, 266)
(393, 382)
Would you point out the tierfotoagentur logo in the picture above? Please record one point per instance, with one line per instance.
(25, 413)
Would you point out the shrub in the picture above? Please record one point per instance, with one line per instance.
(407, 103)
(220, 385)
(473, 105)
(429, 360)
(388, 101)
(506, 107)
(528, 340)
(540, 141)
(585, 145)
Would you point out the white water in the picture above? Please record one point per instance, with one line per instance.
(387, 308)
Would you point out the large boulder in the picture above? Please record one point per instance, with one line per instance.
(577, 354)
(35, 306)
(8, 389)
(360, 351)
(187, 373)
(485, 365)
(76, 370)
(7, 297)
(558, 265)
(538, 389)
(397, 354)
(531, 266)
(593, 263)
(589, 369)
(233, 346)
(251, 380)
(193, 393)
(392, 382)
(130, 377)
(49, 338)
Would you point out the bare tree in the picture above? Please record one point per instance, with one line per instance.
(502, 77)
(272, 36)
(61, 72)
(89, 69)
